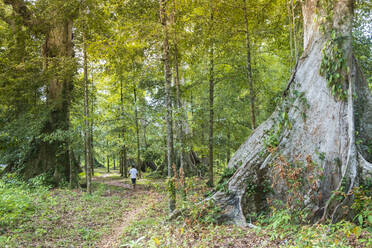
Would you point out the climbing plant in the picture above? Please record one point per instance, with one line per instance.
(333, 64)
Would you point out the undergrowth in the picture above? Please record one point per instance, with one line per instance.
(33, 215)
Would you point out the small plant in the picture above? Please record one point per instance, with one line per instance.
(362, 205)
(225, 176)
(206, 212)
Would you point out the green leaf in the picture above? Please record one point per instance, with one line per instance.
(360, 219)
(370, 219)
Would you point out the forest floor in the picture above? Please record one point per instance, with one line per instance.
(116, 215)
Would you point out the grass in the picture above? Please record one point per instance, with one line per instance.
(41, 217)
(32, 215)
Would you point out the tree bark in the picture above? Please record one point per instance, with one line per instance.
(290, 31)
(91, 126)
(108, 160)
(294, 31)
(210, 182)
(137, 131)
(124, 162)
(88, 155)
(168, 100)
(319, 132)
(228, 154)
(178, 93)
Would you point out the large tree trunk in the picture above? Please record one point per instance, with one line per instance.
(51, 156)
(311, 128)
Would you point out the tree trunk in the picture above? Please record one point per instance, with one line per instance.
(123, 157)
(311, 135)
(57, 51)
(228, 154)
(211, 119)
(249, 66)
(137, 131)
(168, 101)
(121, 167)
(178, 93)
(88, 155)
(114, 163)
(74, 166)
(91, 126)
(210, 182)
(290, 31)
(125, 163)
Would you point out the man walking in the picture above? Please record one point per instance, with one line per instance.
(133, 175)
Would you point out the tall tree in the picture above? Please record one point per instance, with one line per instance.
(51, 155)
(249, 66)
(137, 130)
(87, 131)
(327, 105)
(211, 96)
(124, 160)
(168, 102)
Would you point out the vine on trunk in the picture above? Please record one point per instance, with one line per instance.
(333, 65)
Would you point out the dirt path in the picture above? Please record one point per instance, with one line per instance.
(136, 207)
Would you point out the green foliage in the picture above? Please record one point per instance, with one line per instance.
(296, 100)
(19, 201)
(333, 66)
(225, 176)
(362, 205)
(171, 188)
(342, 234)
(362, 38)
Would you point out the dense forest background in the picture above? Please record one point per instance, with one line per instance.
(123, 46)
(169, 86)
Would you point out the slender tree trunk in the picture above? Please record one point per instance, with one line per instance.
(88, 160)
(211, 115)
(108, 159)
(145, 135)
(178, 91)
(249, 66)
(114, 163)
(124, 162)
(211, 100)
(74, 165)
(121, 167)
(294, 31)
(72, 169)
(228, 154)
(137, 131)
(179, 105)
(290, 31)
(92, 156)
(168, 102)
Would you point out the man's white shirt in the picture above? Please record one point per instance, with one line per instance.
(133, 173)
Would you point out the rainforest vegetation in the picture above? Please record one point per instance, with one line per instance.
(249, 123)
